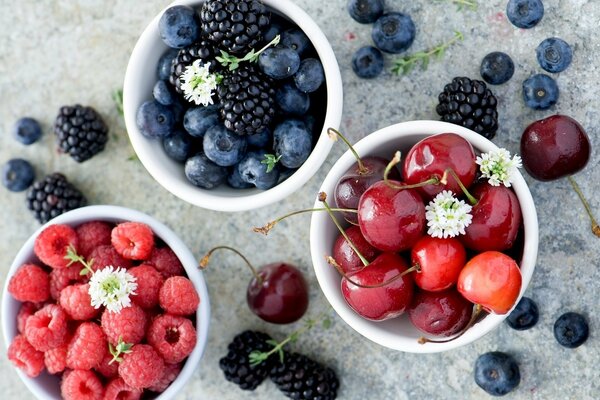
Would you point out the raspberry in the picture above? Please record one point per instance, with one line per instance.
(171, 372)
(76, 301)
(27, 310)
(106, 255)
(61, 278)
(91, 235)
(51, 245)
(25, 357)
(141, 368)
(81, 385)
(117, 389)
(149, 282)
(166, 262)
(30, 283)
(87, 347)
(56, 359)
(129, 324)
(178, 296)
(47, 328)
(133, 240)
(172, 337)
(106, 368)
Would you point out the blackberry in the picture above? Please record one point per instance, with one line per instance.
(80, 131)
(52, 196)
(186, 56)
(236, 364)
(301, 378)
(247, 99)
(471, 104)
(237, 25)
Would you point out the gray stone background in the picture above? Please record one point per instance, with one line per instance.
(54, 53)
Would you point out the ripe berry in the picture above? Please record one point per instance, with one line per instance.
(155, 120)
(292, 141)
(163, 67)
(310, 75)
(497, 68)
(172, 337)
(291, 100)
(179, 26)
(497, 373)
(117, 389)
(30, 283)
(440, 262)
(81, 384)
(252, 170)
(440, 313)
(524, 316)
(107, 367)
(142, 367)
(525, 14)
(165, 261)
(296, 39)
(133, 240)
(223, 147)
(279, 62)
(27, 310)
(346, 257)
(554, 54)
(27, 130)
(80, 131)
(25, 357)
(365, 11)
(571, 330)
(178, 146)
(149, 282)
(17, 175)
(52, 243)
(540, 92)
(128, 325)
(47, 328)
(367, 62)
(202, 172)
(393, 32)
(87, 347)
(178, 296)
(61, 278)
(106, 255)
(56, 359)
(53, 196)
(91, 235)
(169, 375)
(197, 120)
(76, 301)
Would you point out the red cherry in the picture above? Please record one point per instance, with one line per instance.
(491, 279)
(440, 313)
(440, 262)
(346, 257)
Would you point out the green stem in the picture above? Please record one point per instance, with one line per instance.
(403, 66)
(204, 261)
(588, 209)
(334, 134)
(470, 197)
(270, 225)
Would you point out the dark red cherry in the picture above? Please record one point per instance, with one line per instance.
(440, 313)
(346, 257)
(440, 262)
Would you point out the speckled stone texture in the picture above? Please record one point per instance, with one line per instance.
(63, 52)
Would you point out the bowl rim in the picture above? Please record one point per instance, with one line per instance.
(240, 199)
(115, 214)
(331, 290)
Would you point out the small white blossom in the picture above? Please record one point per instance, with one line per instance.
(447, 216)
(199, 84)
(498, 167)
(111, 288)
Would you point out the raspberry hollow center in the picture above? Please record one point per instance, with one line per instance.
(172, 335)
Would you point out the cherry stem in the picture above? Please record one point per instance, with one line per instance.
(395, 160)
(204, 261)
(477, 310)
(334, 134)
(270, 225)
(444, 180)
(588, 209)
(331, 261)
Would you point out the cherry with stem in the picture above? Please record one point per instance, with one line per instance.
(265, 229)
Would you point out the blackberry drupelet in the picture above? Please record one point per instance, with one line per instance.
(471, 104)
(247, 99)
(80, 131)
(236, 25)
(186, 56)
(52, 196)
(301, 378)
(236, 364)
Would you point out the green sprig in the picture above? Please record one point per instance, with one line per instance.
(270, 161)
(118, 350)
(73, 258)
(464, 4)
(403, 66)
(232, 62)
(117, 97)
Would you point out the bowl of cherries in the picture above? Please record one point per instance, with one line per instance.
(431, 237)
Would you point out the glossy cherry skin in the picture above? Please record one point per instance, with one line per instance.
(345, 255)
(440, 262)
(496, 219)
(491, 279)
(554, 147)
(282, 295)
(391, 219)
(389, 301)
(442, 313)
(432, 156)
(353, 184)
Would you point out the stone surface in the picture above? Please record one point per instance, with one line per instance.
(64, 52)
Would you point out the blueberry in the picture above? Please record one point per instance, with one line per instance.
(291, 100)
(525, 13)
(197, 120)
(260, 139)
(393, 32)
(285, 173)
(179, 26)
(310, 75)
(296, 40)
(497, 68)
(155, 120)
(524, 316)
(204, 173)
(178, 146)
(274, 29)
(365, 11)
(17, 175)
(554, 55)
(571, 330)
(223, 147)
(252, 170)
(540, 92)
(497, 373)
(27, 130)
(279, 62)
(163, 68)
(310, 122)
(367, 62)
(234, 179)
(164, 93)
(178, 108)
(293, 142)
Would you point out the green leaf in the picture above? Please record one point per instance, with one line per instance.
(326, 323)
(270, 161)
(118, 99)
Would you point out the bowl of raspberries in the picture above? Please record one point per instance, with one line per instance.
(227, 102)
(105, 302)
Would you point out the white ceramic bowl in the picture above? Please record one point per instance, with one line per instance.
(46, 386)
(141, 77)
(399, 333)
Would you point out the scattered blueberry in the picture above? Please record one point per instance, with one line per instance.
(310, 75)
(204, 173)
(163, 69)
(293, 142)
(393, 32)
(279, 62)
(179, 26)
(155, 120)
(296, 39)
(197, 120)
(224, 147)
(554, 55)
(164, 93)
(27, 130)
(291, 100)
(571, 330)
(260, 139)
(365, 11)
(178, 146)
(234, 179)
(252, 170)
(497, 68)
(17, 175)
(497, 373)
(525, 13)
(524, 316)
(367, 62)
(540, 92)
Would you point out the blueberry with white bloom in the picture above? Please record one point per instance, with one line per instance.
(296, 40)
(178, 146)
(291, 100)
(197, 120)
(234, 179)
(155, 120)
(253, 169)
(260, 139)
(164, 93)
(279, 62)
(292, 142)
(179, 27)
(27, 130)
(163, 68)
(202, 172)
(310, 75)
(223, 147)
(17, 175)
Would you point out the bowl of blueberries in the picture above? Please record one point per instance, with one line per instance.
(227, 102)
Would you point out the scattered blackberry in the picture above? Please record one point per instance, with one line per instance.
(471, 104)
(237, 25)
(80, 131)
(301, 378)
(236, 364)
(247, 99)
(186, 56)
(53, 196)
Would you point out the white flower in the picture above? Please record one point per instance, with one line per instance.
(199, 84)
(498, 167)
(447, 216)
(111, 288)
